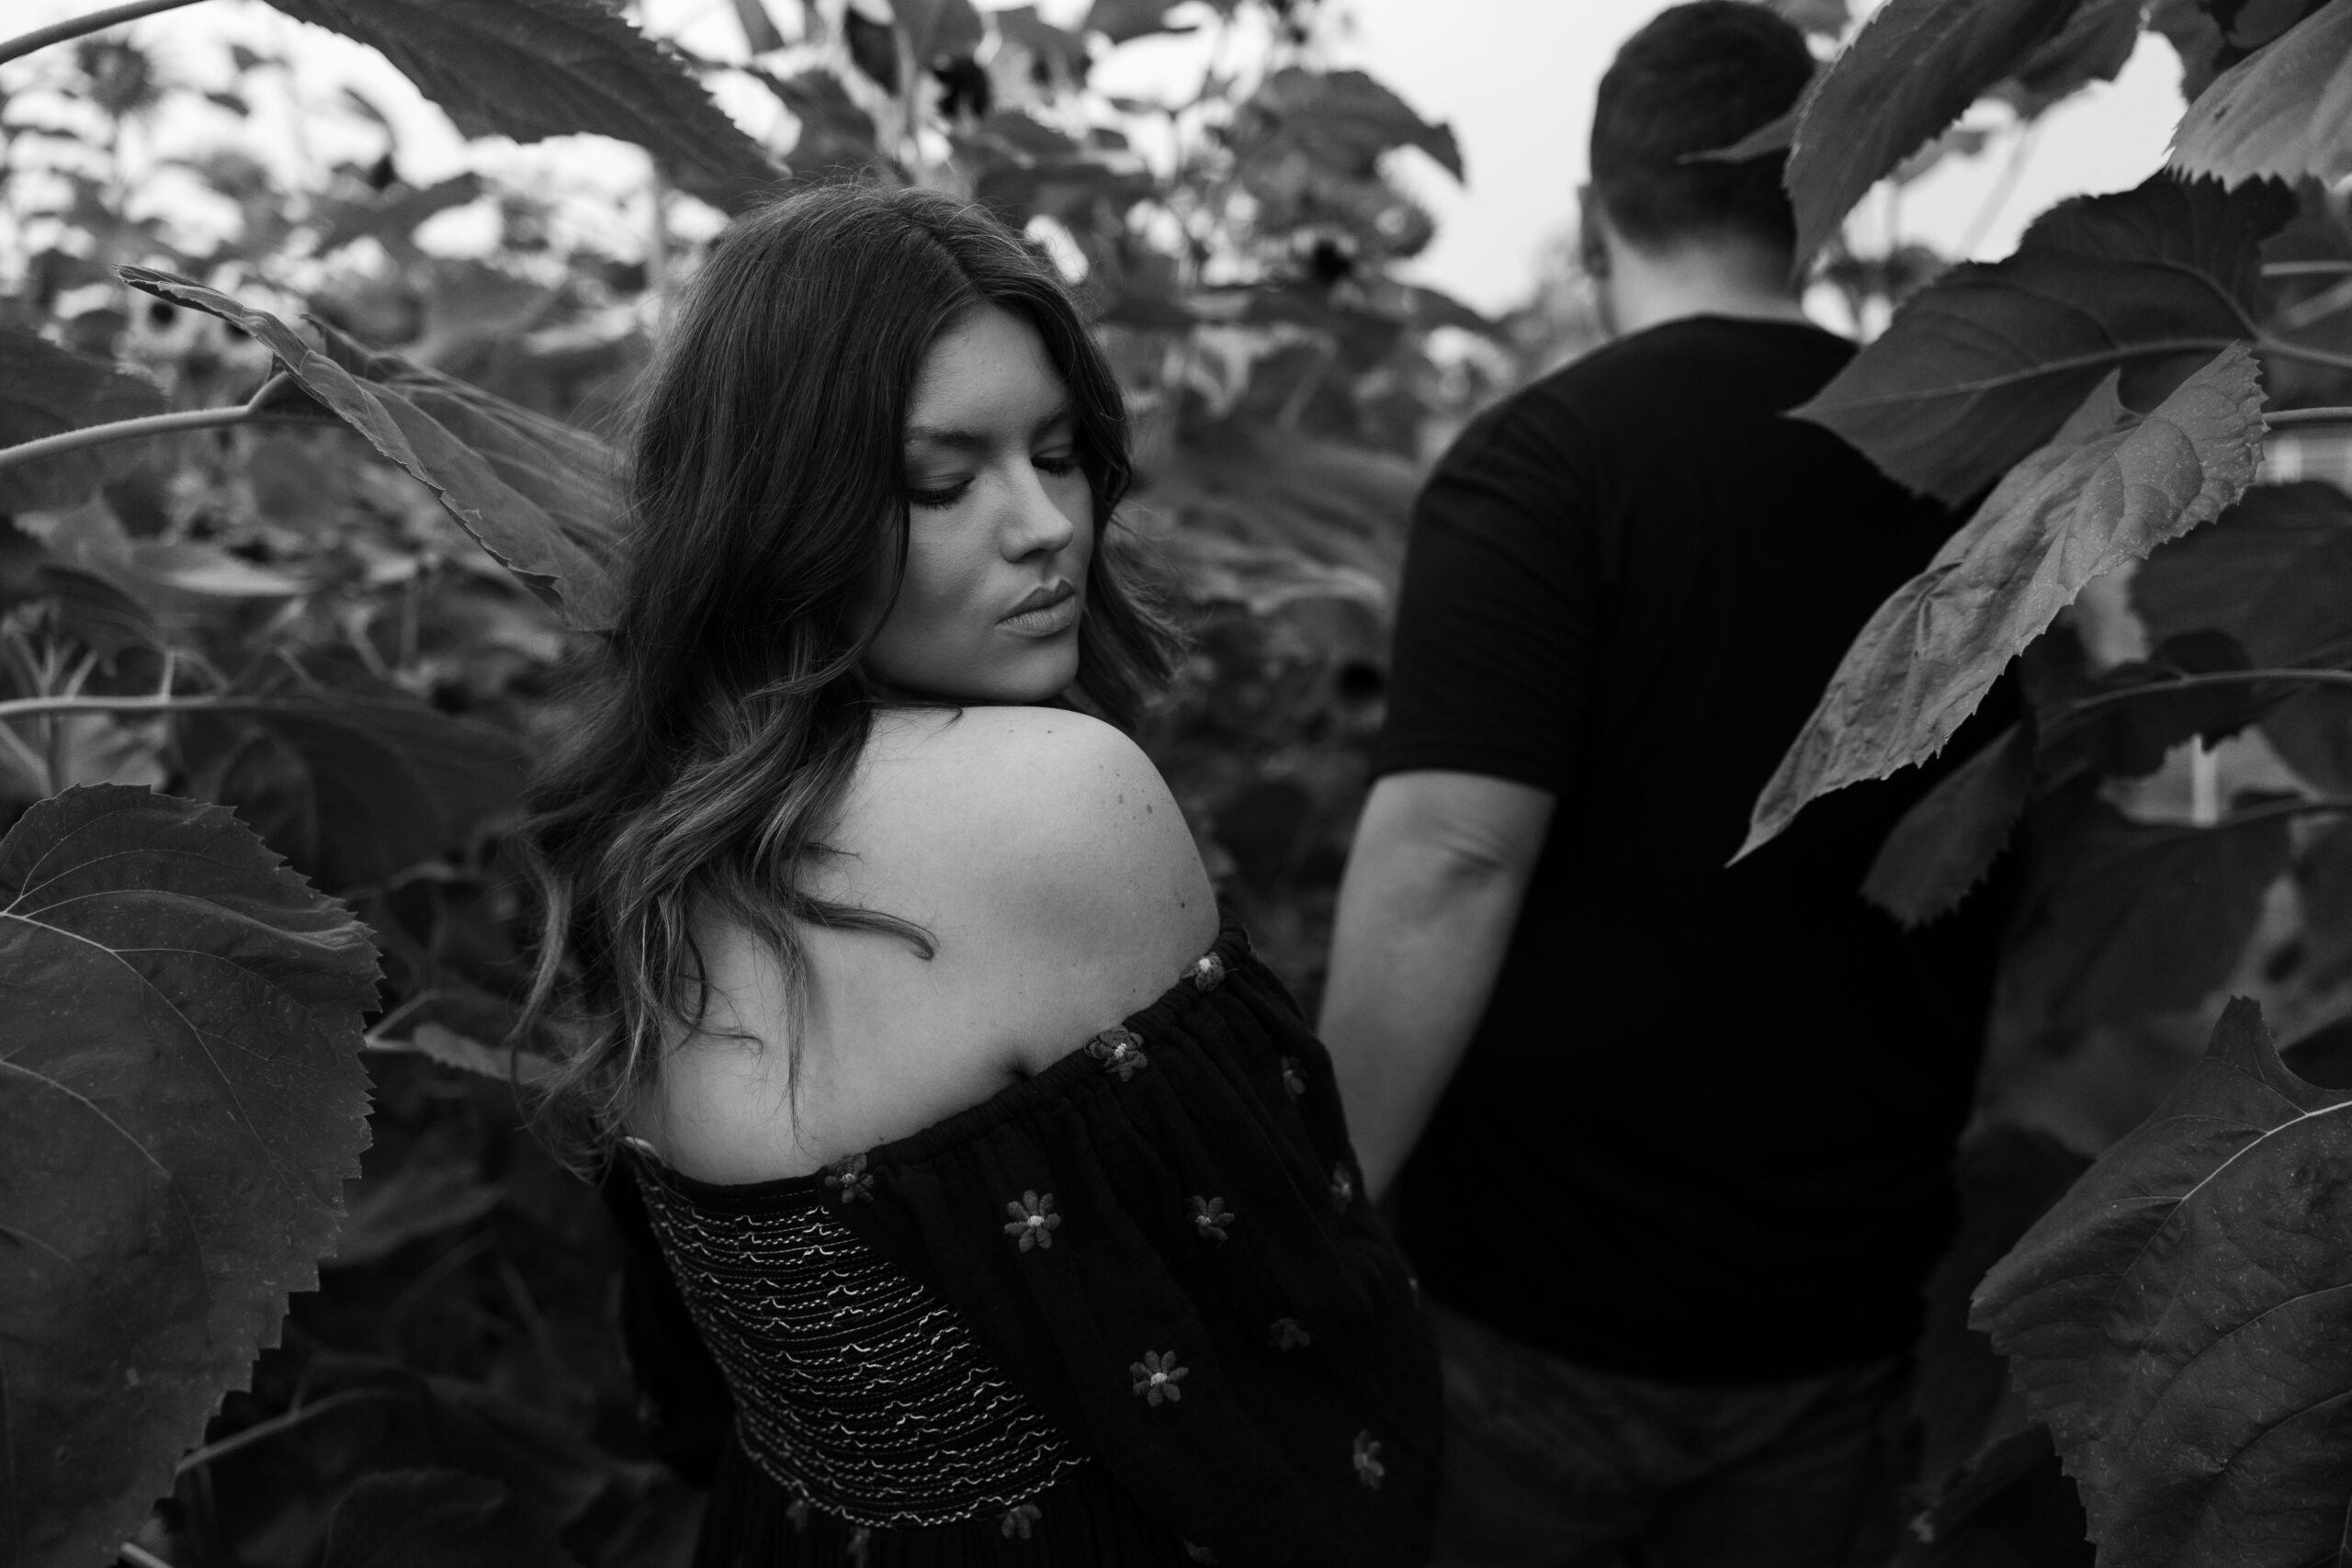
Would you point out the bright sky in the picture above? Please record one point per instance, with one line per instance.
(1514, 78)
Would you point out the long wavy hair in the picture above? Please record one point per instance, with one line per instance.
(721, 716)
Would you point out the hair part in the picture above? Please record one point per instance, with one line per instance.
(1698, 77)
(720, 719)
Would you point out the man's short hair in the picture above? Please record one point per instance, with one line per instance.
(1698, 77)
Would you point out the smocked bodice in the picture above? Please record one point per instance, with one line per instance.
(1128, 1310)
(856, 1389)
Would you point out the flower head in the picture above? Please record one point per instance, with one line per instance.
(848, 1177)
(1120, 1052)
(1209, 1217)
(1157, 1376)
(1032, 1220)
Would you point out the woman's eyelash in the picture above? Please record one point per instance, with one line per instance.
(1057, 464)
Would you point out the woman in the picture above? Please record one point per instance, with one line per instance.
(995, 1204)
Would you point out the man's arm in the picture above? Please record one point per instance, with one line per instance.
(1432, 890)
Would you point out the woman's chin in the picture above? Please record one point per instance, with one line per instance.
(1029, 683)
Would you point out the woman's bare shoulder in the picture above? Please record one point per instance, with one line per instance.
(1045, 826)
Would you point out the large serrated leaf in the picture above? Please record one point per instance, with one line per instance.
(180, 1101)
(1913, 69)
(2082, 506)
(1341, 119)
(531, 69)
(353, 790)
(2274, 573)
(1945, 842)
(2283, 113)
(517, 529)
(1983, 365)
(2126, 919)
(44, 391)
(2178, 1319)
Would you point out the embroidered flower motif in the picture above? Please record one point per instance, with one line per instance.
(1210, 1218)
(1157, 1376)
(797, 1512)
(1199, 1554)
(848, 1177)
(859, 1539)
(1019, 1518)
(1033, 1220)
(1369, 1470)
(1343, 1187)
(1120, 1052)
(1293, 1081)
(1207, 972)
(1288, 1334)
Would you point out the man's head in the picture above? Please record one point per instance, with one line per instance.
(1698, 77)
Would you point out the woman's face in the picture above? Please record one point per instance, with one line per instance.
(1000, 525)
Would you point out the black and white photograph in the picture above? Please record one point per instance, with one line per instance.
(1116, 783)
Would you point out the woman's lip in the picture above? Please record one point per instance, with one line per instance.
(1046, 613)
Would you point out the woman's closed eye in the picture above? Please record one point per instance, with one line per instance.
(945, 494)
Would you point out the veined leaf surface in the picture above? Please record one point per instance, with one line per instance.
(2099, 495)
(2177, 1320)
(2283, 113)
(1913, 69)
(509, 523)
(531, 69)
(1983, 365)
(180, 1101)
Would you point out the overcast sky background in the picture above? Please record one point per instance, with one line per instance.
(1514, 79)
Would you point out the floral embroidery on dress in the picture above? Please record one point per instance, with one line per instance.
(1288, 1334)
(1369, 1470)
(1157, 1376)
(859, 1539)
(796, 1513)
(1019, 1520)
(1199, 1554)
(1032, 1220)
(848, 1177)
(1210, 1217)
(1120, 1052)
(1293, 1081)
(1343, 1187)
(1207, 972)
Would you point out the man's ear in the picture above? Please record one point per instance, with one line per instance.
(1592, 247)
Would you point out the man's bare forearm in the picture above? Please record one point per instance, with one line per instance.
(1433, 893)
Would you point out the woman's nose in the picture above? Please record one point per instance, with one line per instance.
(1033, 525)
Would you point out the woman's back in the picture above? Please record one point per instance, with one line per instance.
(1045, 857)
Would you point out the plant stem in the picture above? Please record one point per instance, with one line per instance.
(138, 1556)
(2263, 813)
(2278, 418)
(2181, 684)
(32, 707)
(261, 1431)
(2306, 268)
(146, 424)
(81, 26)
(2303, 352)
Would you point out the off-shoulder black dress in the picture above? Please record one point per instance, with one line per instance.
(1131, 1310)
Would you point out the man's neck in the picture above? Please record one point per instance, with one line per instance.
(1649, 289)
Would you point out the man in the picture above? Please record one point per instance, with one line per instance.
(1680, 1132)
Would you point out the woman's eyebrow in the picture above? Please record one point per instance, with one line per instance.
(978, 440)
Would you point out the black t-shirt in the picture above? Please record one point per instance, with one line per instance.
(1704, 1131)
